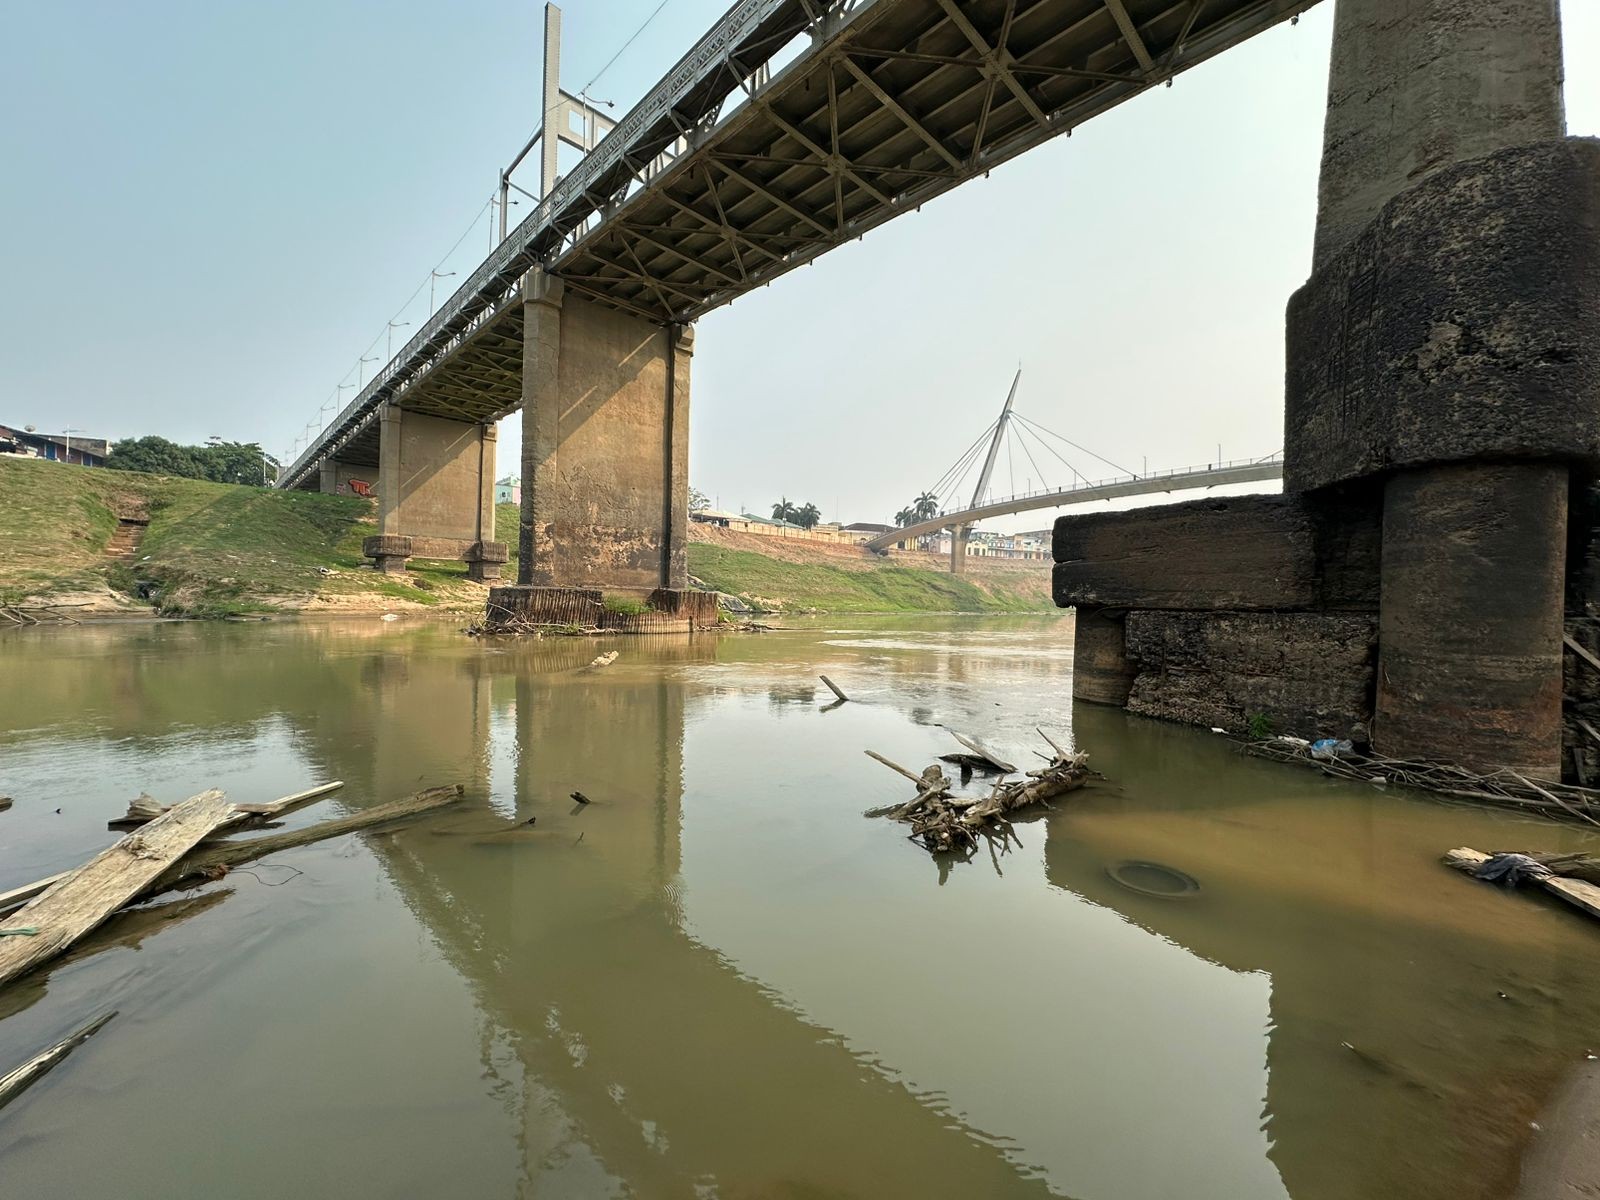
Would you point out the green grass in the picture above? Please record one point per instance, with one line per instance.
(883, 588)
(210, 550)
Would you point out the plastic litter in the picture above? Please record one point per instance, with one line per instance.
(1331, 747)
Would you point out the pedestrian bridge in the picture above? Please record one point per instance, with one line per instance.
(1184, 479)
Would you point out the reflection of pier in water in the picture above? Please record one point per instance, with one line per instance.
(625, 1023)
(1370, 1052)
(656, 1040)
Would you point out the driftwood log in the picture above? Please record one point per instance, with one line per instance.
(214, 861)
(14, 1083)
(943, 822)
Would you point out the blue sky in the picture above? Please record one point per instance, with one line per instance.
(214, 208)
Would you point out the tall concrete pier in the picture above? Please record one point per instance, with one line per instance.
(1442, 402)
(605, 467)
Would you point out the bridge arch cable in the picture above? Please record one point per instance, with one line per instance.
(947, 484)
(1038, 429)
(1044, 483)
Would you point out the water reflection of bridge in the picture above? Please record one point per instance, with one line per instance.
(657, 1042)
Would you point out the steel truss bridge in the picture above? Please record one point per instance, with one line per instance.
(790, 127)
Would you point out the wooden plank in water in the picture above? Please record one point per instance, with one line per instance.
(90, 894)
(1574, 891)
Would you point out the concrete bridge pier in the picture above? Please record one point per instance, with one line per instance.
(958, 548)
(435, 493)
(1442, 408)
(336, 476)
(1443, 141)
(605, 469)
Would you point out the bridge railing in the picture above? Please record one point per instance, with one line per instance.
(1175, 473)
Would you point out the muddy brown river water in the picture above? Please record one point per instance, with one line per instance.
(719, 980)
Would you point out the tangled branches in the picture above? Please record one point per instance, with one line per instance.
(942, 822)
(1504, 787)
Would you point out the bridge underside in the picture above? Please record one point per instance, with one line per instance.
(716, 184)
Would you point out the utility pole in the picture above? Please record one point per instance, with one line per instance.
(556, 110)
(551, 111)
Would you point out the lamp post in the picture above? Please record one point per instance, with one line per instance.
(361, 369)
(388, 338)
(66, 436)
(433, 278)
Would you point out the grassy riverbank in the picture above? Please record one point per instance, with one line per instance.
(210, 549)
(794, 575)
(213, 550)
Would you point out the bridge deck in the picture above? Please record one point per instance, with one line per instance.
(713, 185)
(1184, 479)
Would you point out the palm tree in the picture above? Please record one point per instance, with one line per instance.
(807, 515)
(783, 510)
(925, 506)
(905, 517)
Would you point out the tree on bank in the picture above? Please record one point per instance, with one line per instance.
(804, 515)
(221, 462)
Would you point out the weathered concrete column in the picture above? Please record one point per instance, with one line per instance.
(958, 549)
(1430, 348)
(1469, 627)
(1101, 671)
(605, 444)
(436, 489)
(1417, 85)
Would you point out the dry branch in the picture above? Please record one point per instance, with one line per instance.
(834, 688)
(1503, 787)
(942, 822)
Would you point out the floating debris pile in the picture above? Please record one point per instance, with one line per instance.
(943, 822)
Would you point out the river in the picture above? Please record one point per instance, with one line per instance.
(718, 979)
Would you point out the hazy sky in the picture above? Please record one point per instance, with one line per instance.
(212, 209)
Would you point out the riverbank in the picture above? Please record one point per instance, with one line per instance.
(202, 550)
(792, 575)
(115, 543)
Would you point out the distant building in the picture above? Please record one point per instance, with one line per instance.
(56, 447)
(506, 492)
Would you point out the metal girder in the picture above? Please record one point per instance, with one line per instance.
(729, 174)
(1119, 14)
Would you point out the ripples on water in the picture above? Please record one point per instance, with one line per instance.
(718, 979)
